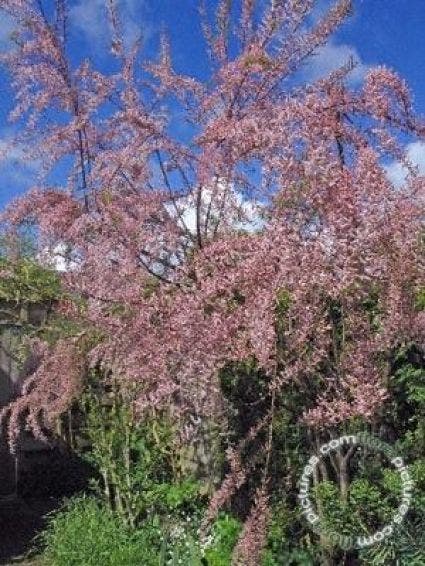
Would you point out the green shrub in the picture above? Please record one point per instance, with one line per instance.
(405, 548)
(87, 533)
(224, 536)
(26, 281)
(288, 544)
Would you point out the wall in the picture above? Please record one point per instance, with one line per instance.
(12, 317)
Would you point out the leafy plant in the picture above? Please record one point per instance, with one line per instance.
(134, 457)
(224, 536)
(87, 533)
(405, 548)
(26, 281)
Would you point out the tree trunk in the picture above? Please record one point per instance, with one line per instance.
(344, 481)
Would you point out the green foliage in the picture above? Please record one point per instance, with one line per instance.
(159, 512)
(59, 327)
(370, 502)
(225, 534)
(287, 543)
(87, 533)
(420, 299)
(340, 516)
(405, 548)
(134, 458)
(25, 281)
(174, 496)
(407, 386)
(412, 379)
(292, 557)
(283, 302)
(145, 511)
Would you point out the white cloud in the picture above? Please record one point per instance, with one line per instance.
(224, 201)
(60, 258)
(415, 153)
(220, 203)
(331, 57)
(90, 17)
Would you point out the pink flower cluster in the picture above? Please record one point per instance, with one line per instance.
(174, 301)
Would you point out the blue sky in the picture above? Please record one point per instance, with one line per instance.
(389, 32)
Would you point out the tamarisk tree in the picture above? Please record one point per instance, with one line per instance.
(180, 254)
